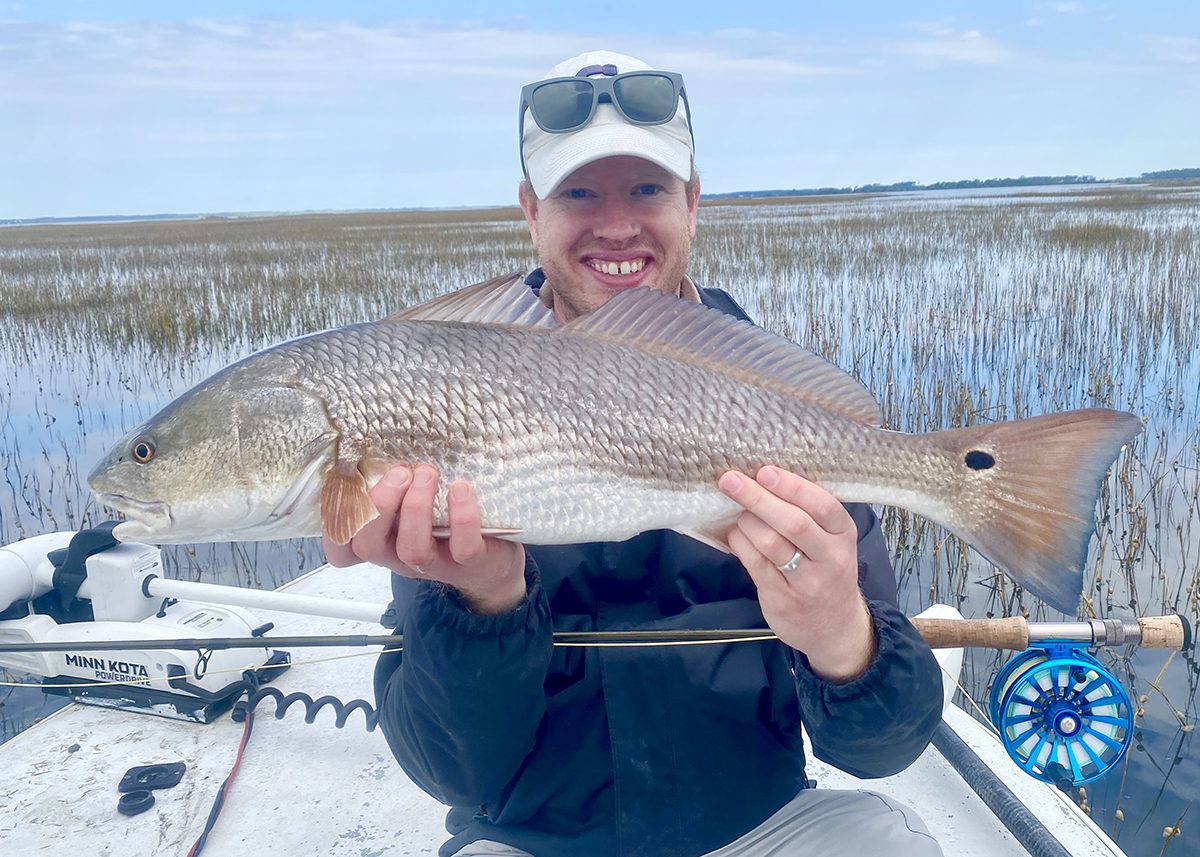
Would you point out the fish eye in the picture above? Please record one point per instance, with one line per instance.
(142, 450)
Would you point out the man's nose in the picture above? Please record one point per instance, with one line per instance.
(616, 221)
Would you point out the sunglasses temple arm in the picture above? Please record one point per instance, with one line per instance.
(521, 139)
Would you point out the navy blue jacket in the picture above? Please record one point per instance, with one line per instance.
(637, 751)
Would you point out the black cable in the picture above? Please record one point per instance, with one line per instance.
(255, 693)
(250, 694)
(341, 710)
(219, 800)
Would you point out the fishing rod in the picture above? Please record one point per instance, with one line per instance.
(1062, 716)
(1013, 633)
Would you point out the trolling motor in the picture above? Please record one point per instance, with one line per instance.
(87, 586)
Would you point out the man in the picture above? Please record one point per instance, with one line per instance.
(643, 751)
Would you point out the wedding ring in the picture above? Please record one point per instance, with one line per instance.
(793, 563)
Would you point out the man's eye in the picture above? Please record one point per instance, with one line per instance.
(647, 189)
(576, 193)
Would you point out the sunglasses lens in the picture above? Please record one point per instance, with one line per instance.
(646, 97)
(562, 105)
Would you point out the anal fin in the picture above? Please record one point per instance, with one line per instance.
(712, 534)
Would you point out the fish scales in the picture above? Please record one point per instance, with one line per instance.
(620, 422)
(482, 404)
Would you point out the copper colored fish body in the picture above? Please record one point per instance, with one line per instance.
(619, 422)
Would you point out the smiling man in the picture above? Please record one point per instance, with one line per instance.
(670, 752)
(613, 224)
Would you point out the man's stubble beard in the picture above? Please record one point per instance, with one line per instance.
(576, 301)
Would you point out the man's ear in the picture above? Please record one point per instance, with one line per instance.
(693, 204)
(529, 203)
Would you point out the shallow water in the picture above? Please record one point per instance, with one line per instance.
(952, 308)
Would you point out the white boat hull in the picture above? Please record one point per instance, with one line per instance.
(315, 790)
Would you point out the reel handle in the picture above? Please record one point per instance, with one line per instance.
(1149, 632)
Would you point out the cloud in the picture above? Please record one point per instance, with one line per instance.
(1176, 49)
(712, 62)
(945, 44)
(1068, 8)
(311, 59)
(238, 58)
(192, 137)
(222, 65)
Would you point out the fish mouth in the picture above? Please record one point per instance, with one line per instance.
(142, 517)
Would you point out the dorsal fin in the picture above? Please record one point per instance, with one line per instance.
(692, 333)
(503, 300)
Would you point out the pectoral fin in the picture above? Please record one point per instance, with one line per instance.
(345, 506)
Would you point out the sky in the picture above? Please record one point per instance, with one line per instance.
(188, 107)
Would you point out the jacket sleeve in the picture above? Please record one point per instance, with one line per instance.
(875, 574)
(877, 724)
(460, 707)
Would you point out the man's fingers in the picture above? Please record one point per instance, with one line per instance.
(337, 555)
(373, 541)
(466, 541)
(794, 516)
(792, 523)
(414, 530)
(761, 570)
(771, 543)
(825, 510)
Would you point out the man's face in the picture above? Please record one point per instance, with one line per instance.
(612, 225)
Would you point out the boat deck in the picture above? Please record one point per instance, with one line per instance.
(313, 789)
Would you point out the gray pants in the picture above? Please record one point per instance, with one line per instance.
(817, 822)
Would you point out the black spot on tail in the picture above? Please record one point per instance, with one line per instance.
(977, 459)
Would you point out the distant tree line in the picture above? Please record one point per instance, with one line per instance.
(911, 186)
(1022, 181)
(1187, 173)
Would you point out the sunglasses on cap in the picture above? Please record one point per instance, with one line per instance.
(564, 104)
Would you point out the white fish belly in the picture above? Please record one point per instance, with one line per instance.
(569, 504)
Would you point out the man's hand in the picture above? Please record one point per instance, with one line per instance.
(817, 607)
(489, 573)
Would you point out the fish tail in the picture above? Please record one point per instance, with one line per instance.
(1029, 494)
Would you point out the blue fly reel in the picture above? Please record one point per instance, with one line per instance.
(1062, 716)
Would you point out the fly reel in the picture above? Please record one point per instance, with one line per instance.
(1062, 716)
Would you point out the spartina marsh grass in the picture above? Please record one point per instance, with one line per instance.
(953, 308)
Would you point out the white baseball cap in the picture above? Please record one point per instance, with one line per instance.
(551, 157)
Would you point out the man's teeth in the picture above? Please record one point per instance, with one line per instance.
(615, 268)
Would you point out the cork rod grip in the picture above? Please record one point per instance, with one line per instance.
(1011, 633)
(1165, 632)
